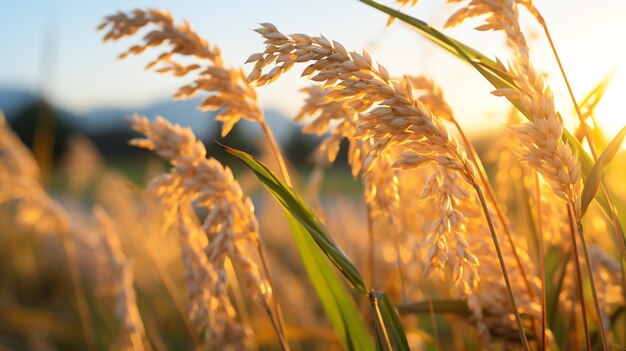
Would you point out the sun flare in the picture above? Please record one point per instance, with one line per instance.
(610, 112)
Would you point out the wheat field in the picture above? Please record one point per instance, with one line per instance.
(509, 241)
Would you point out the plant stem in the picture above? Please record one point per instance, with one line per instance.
(594, 294)
(171, 288)
(153, 335)
(274, 311)
(433, 320)
(542, 263)
(137, 342)
(509, 288)
(491, 195)
(578, 276)
(276, 150)
(473, 155)
(587, 135)
(79, 293)
(396, 227)
(614, 219)
(371, 264)
(238, 297)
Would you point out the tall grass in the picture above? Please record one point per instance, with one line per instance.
(450, 246)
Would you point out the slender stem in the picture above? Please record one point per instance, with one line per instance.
(43, 141)
(457, 337)
(491, 195)
(594, 294)
(274, 311)
(312, 189)
(238, 297)
(79, 293)
(433, 320)
(586, 133)
(542, 263)
(371, 264)
(578, 276)
(161, 273)
(614, 218)
(137, 342)
(396, 227)
(429, 297)
(543, 24)
(509, 288)
(153, 335)
(575, 336)
(171, 288)
(276, 150)
(473, 155)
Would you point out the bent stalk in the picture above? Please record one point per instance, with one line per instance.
(518, 318)
(578, 277)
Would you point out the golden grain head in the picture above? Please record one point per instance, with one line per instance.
(229, 94)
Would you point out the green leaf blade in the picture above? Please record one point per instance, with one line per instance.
(336, 301)
(304, 215)
(595, 176)
(310, 237)
(389, 332)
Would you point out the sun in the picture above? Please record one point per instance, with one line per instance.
(611, 112)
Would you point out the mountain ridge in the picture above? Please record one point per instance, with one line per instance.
(183, 112)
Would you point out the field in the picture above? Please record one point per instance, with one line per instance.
(400, 231)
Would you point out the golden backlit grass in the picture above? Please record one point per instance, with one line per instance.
(519, 246)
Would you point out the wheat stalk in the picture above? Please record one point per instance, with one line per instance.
(381, 192)
(230, 94)
(541, 139)
(20, 182)
(117, 278)
(209, 304)
(230, 226)
(394, 118)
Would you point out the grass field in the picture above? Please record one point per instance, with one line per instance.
(428, 238)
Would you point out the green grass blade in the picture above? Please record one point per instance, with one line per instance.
(310, 236)
(389, 332)
(336, 301)
(486, 66)
(556, 262)
(304, 224)
(588, 105)
(305, 216)
(592, 99)
(619, 311)
(593, 181)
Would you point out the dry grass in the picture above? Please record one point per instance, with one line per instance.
(476, 250)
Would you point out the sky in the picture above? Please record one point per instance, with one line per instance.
(52, 47)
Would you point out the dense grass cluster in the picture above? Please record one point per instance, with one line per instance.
(520, 246)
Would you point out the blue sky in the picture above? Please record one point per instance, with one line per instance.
(83, 73)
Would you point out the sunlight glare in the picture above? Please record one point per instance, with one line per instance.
(611, 112)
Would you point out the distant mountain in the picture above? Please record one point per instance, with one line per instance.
(186, 113)
(12, 99)
(183, 112)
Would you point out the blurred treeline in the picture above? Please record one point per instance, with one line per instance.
(38, 122)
